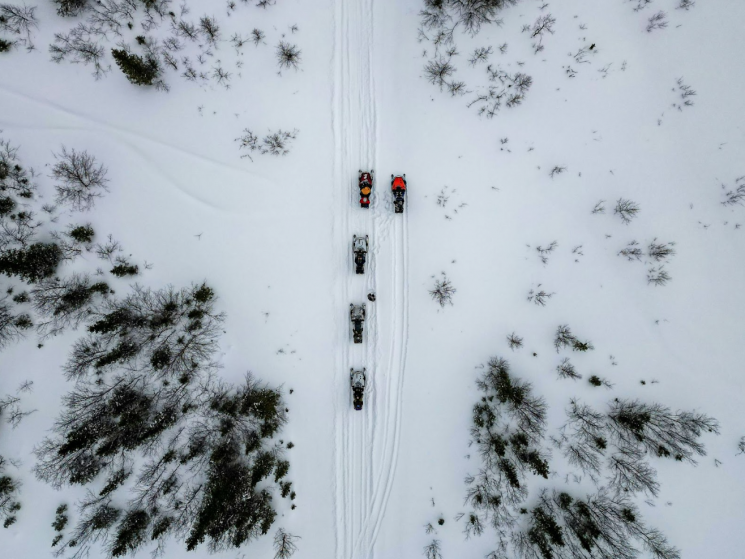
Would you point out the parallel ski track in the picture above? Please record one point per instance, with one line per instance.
(366, 442)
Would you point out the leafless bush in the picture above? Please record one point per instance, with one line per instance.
(564, 338)
(544, 24)
(657, 21)
(432, 551)
(737, 194)
(274, 143)
(686, 4)
(544, 252)
(658, 276)
(79, 47)
(660, 251)
(599, 207)
(480, 54)
(632, 252)
(741, 446)
(686, 92)
(284, 544)
(443, 291)
(18, 21)
(514, 341)
(557, 170)
(210, 29)
(540, 298)
(626, 210)
(13, 327)
(288, 55)
(566, 370)
(80, 180)
(257, 36)
(437, 71)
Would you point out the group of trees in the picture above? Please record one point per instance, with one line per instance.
(35, 242)
(146, 405)
(145, 59)
(613, 448)
(147, 415)
(439, 21)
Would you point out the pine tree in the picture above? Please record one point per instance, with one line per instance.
(139, 70)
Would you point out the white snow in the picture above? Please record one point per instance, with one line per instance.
(273, 237)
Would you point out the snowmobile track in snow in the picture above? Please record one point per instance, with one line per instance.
(366, 441)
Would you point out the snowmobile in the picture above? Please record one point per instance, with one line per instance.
(357, 380)
(357, 315)
(398, 187)
(366, 186)
(359, 249)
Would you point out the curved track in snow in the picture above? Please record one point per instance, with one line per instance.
(366, 442)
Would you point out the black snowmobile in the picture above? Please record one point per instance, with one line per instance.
(398, 187)
(357, 380)
(359, 249)
(357, 315)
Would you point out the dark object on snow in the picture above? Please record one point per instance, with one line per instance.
(371, 297)
(359, 249)
(357, 380)
(366, 186)
(357, 315)
(398, 186)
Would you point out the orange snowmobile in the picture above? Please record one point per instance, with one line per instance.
(366, 186)
(398, 187)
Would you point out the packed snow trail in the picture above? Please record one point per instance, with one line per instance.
(366, 441)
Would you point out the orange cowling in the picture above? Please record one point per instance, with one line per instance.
(365, 190)
(398, 184)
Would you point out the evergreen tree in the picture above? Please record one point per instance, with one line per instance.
(139, 70)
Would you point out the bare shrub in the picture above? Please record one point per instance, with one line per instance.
(443, 291)
(658, 276)
(438, 71)
(81, 180)
(657, 21)
(514, 341)
(660, 251)
(632, 252)
(432, 550)
(284, 544)
(737, 194)
(626, 210)
(288, 55)
(566, 370)
(273, 143)
(19, 21)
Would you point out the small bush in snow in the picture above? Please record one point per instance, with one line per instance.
(288, 55)
(626, 210)
(737, 194)
(443, 291)
(567, 370)
(432, 550)
(514, 341)
(657, 21)
(658, 276)
(274, 143)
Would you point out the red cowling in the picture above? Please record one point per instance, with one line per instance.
(366, 178)
(398, 184)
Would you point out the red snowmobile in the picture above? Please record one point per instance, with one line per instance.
(398, 187)
(366, 186)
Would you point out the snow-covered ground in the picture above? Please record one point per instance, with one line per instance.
(273, 237)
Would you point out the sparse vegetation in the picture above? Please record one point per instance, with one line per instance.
(443, 291)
